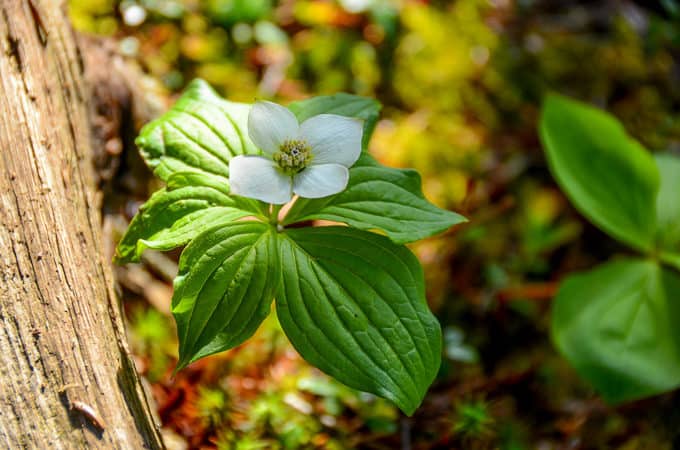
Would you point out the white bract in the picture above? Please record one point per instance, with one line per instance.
(310, 159)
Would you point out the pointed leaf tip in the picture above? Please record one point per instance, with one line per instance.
(353, 304)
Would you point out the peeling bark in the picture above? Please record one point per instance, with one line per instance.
(66, 378)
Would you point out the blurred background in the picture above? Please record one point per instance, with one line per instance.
(461, 83)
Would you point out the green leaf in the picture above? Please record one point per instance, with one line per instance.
(189, 147)
(671, 258)
(353, 304)
(379, 198)
(201, 132)
(617, 325)
(668, 203)
(610, 177)
(343, 105)
(226, 282)
(173, 216)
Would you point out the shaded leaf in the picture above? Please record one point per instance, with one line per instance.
(617, 325)
(668, 202)
(353, 304)
(226, 281)
(610, 177)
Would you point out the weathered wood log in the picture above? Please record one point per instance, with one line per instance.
(66, 378)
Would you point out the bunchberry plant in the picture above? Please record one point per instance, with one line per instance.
(618, 323)
(350, 297)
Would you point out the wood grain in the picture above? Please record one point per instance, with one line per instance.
(66, 378)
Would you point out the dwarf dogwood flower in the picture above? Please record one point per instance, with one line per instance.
(310, 159)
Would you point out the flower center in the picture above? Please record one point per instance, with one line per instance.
(293, 156)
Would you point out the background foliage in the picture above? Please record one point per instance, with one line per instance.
(461, 83)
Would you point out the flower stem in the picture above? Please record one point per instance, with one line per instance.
(274, 215)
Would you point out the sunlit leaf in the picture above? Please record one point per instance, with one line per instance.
(189, 147)
(380, 198)
(175, 215)
(201, 132)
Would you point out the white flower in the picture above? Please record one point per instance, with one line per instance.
(309, 159)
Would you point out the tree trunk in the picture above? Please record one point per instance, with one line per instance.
(66, 379)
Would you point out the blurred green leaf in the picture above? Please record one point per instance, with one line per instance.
(353, 304)
(672, 7)
(671, 258)
(610, 177)
(473, 419)
(383, 425)
(211, 405)
(233, 11)
(668, 202)
(617, 325)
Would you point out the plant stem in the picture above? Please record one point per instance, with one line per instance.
(274, 215)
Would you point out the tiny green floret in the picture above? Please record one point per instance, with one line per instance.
(293, 156)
